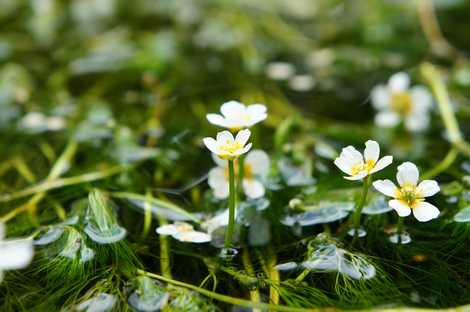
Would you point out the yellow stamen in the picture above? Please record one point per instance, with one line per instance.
(367, 166)
(408, 195)
(401, 103)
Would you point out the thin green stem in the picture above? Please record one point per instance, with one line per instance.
(442, 165)
(231, 205)
(360, 204)
(165, 265)
(432, 75)
(225, 298)
(400, 222)
(302, 275)
(254, 293)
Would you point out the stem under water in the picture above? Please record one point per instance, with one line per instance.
(231, 205)
(360, 204)
(400, 228)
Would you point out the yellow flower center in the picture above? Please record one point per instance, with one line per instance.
(401, 103)
(408, 195)
(359, 167)
(229, 148)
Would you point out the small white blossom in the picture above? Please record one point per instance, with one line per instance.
(358, 166)
(226, 146)
(184, 232)
(396, 101)
(236, 116)
(280, 70)
(410, 195)
(255, 168)
(14, 253)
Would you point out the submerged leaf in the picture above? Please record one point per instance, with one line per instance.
(323, 212)
(463, 215)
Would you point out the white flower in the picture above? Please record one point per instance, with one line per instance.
(352, 162)
(14, 253)
(255, 167)
(410, 195)
(217, 221)
(396, 101)
(279, 70)
(227, 147)
(184, 232)
(236, 116)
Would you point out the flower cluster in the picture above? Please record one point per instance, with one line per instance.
(410, 194)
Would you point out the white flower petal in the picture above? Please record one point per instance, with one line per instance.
(256, 110)
(380, 97)
(217, 177)
(402, 209)
(219, 161)
(259, 162)
(217, 120)
(352, 154)
(15, 254)
(167, 229)
(193, 237)
(225, 137)
(387, 119)
(211, 145)
(243, 150)
(218, 182)
(382, 163)
(253, 188)
(358, 176)
(407, 174)
(243, 136)
(417, 122)
(422, 98)
(424, 212)
(344, 164)
(232, 108)
(385, 187)
(372, 151)
(399, 82)
(428, 188)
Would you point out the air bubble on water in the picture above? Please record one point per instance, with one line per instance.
(288, 266)
(228, 254)
(102, 226)
(463, 215)
(359, 232)
(102, 302)
(157, 210)
(75, 247)
(51, 235)
(105, 236)
(330, 258)
(403, 238)
(149, 295)
(323, 212)
(377, 205)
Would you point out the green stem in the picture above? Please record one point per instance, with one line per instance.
(254, 293)
(361, 203)
(442, 165)
(302, 275)
(431, 74)
(225, 298)
(231, 205)
(165, 265)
